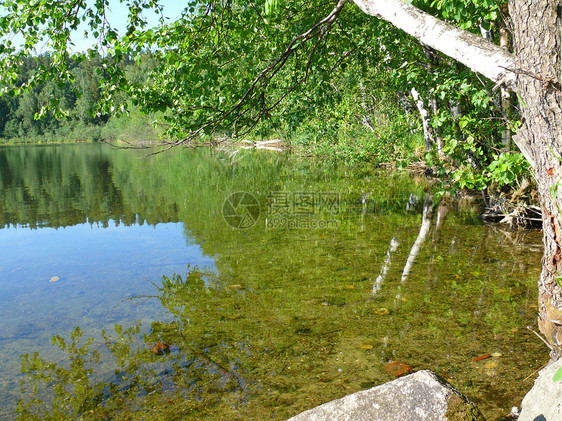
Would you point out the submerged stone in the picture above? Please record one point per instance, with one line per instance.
(397, 368)
(422, 396)
(160, 348)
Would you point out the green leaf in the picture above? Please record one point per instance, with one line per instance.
(557, 375)
(520, 98)
(271, 6)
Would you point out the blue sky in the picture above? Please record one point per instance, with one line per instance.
(118, 19)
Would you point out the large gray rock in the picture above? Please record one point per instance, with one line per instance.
(422, 396)
(544, 401)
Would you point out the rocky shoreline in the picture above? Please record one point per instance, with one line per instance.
(425, 396)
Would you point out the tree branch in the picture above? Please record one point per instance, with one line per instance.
(475, 52)
(318, 29)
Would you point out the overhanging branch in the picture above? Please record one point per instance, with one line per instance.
(475, 52)
(318, 30)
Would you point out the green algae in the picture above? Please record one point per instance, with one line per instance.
(461, 410)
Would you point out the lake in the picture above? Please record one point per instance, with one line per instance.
(278, 283)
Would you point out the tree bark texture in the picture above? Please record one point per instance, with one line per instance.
(537, 42)
(427, 134)
(505, 93)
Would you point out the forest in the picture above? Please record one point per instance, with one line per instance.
(78, 122)
(377, 97)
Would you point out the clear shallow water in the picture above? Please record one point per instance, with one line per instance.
(308, 302)
(98, 269)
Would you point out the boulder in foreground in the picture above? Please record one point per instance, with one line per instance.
(544, 401)
(422, 396)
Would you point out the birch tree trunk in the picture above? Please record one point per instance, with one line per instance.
(505, 94)
(472, 50)
(427, 135)
(424, 230)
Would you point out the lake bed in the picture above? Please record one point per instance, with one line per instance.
(313, 276)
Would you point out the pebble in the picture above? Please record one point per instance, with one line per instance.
(491, 364)
(397, 368)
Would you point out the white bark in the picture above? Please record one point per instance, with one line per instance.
(442, 212)
(427, 136)
(473, 51)
(505, 94)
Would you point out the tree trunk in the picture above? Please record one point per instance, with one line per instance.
(505, 94)
(424, 230)
(537, 43)
(427, 134)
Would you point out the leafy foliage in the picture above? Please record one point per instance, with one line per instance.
(324, 75)
(69, 388)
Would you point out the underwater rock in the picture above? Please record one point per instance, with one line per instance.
(397, 368)
(160, 348)
(544, 401)
(54, 279)
(422, 396)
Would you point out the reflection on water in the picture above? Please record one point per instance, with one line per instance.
(295, 311)
(52, 280)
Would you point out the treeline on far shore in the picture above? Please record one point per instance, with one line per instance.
(18, 114)
(348, 120)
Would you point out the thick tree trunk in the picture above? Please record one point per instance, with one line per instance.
(537, 43)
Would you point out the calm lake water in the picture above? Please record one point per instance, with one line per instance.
(299, 281)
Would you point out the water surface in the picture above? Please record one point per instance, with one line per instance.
(316, 277)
